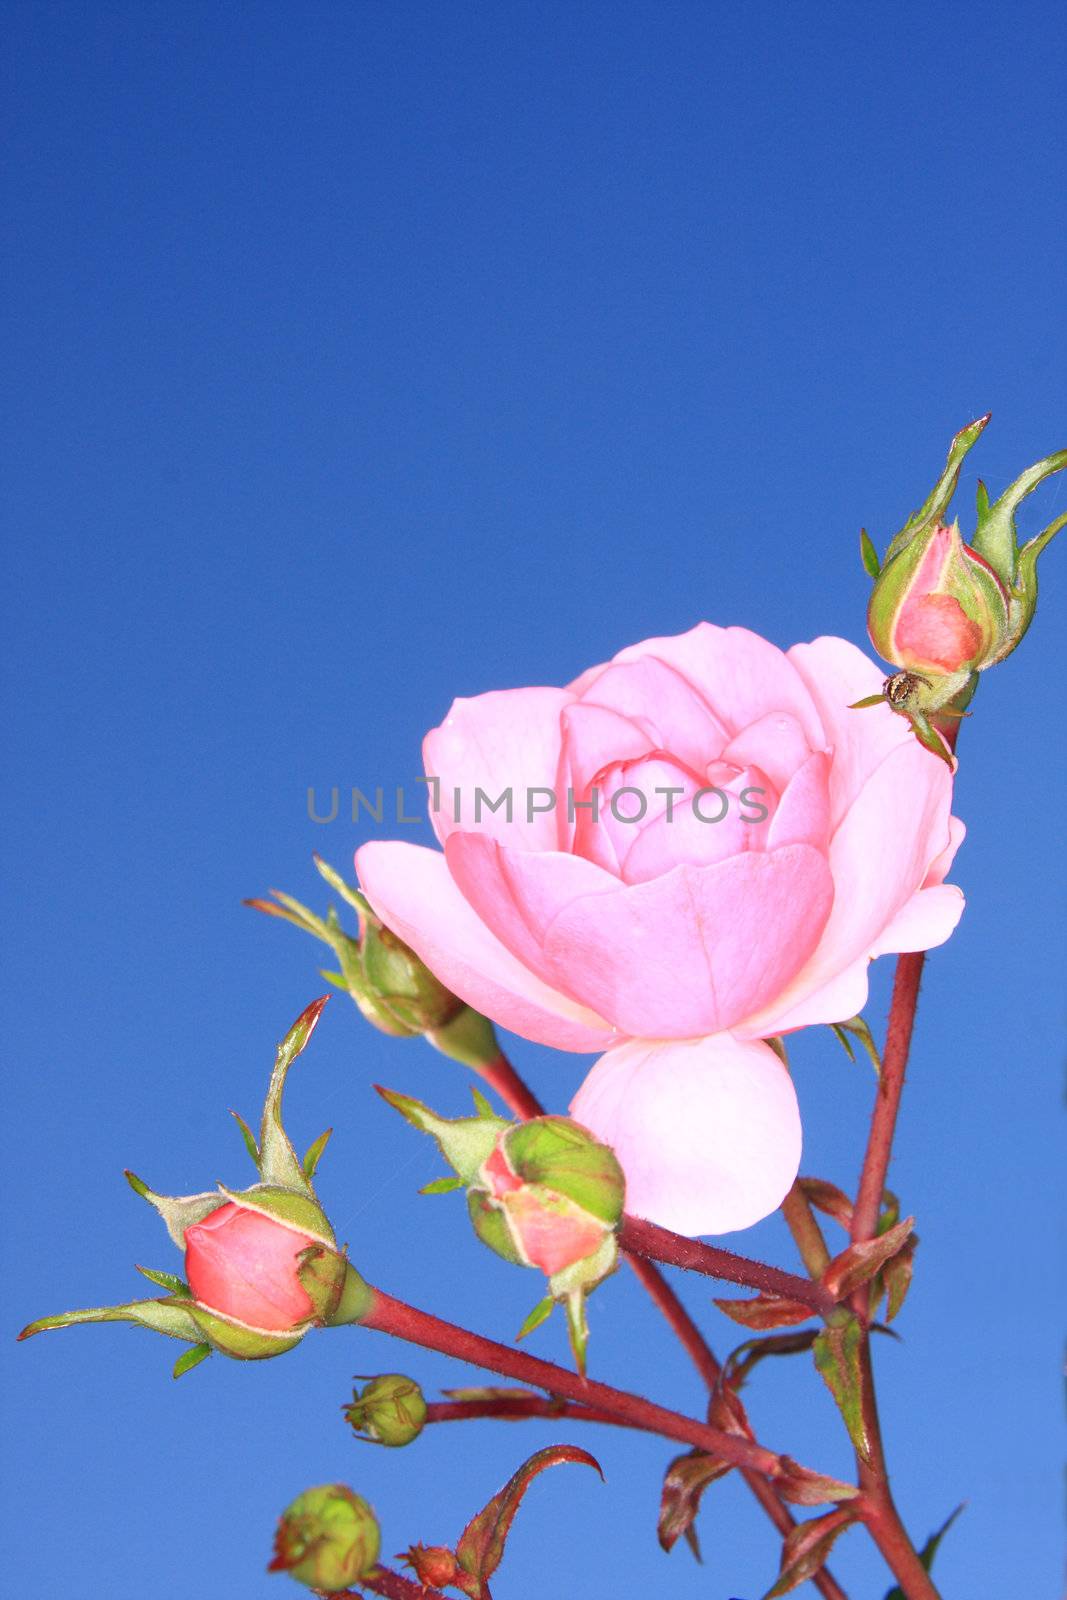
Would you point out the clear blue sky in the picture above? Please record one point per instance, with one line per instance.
(360, 355)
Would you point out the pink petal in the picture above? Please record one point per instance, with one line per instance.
(879, 857)
(692, 835)
(741, 676)
(593, 738)
(838, 675)
(668, 707)
(518, 893)
(776, 744)
(923, 922)
(691, 952)
(413, 892)
(939, 869)
(803, 812)
(508, 739)
(707, 1131)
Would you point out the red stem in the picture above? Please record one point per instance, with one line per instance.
(887, 1100)
(387, 1315)
(394, 1586)
(876, 1505)
(514, 1408)
(648, 1239)
(501, 1076)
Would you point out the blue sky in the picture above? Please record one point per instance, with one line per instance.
(364, 355)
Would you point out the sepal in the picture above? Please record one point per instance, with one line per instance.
(465, 1142)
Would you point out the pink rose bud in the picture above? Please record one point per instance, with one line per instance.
(547, 1195)
(938, 607)
(243, 1264)
(263, 1264)
(328, 1539)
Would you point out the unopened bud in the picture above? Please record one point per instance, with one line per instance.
(327, 1539)
(389, 1410)
(938, 607)
(547, 1195)
(434, 1565)
(402, 984)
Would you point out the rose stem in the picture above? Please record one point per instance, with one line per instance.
(393, 1585)
(386, 1315)
(501, 1076)
(647, 1239)
(875, 1505)
(513, 1408)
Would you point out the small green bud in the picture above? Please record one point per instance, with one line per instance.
(328, 1539)
(402, 984)
(389, 1410)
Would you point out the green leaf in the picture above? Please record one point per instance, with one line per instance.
(806, 1550)
(168, 1281)
(929, 1549)
(314, 1154)
(192, 1358)
(837, 1359)
(859, 1029)
(249, 1138)
(684, 1483)
(540, 1313)
(481, 1546)
(335, 979)
(869, 555)
(277, 1158)
(442, 1186)
(981, 503)
(577, 1328)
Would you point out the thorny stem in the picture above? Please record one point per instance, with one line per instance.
(517, 1407)
(501, 1076)
(386, 1315)
(647, 1239)
(876, 1505)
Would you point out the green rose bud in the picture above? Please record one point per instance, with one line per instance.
(328, 1539)
(388, 1410)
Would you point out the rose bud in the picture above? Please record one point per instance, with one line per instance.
(395, 991)
(388, 1410)
(262, 1264)
(937, 607)
(434, 1565)
(543, 1193)
(328, 1539)
(943, 610)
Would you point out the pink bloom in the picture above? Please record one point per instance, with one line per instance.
(243, 1264)
(676, 943)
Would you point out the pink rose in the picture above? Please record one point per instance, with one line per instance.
(243, 1264)
(674, 942)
